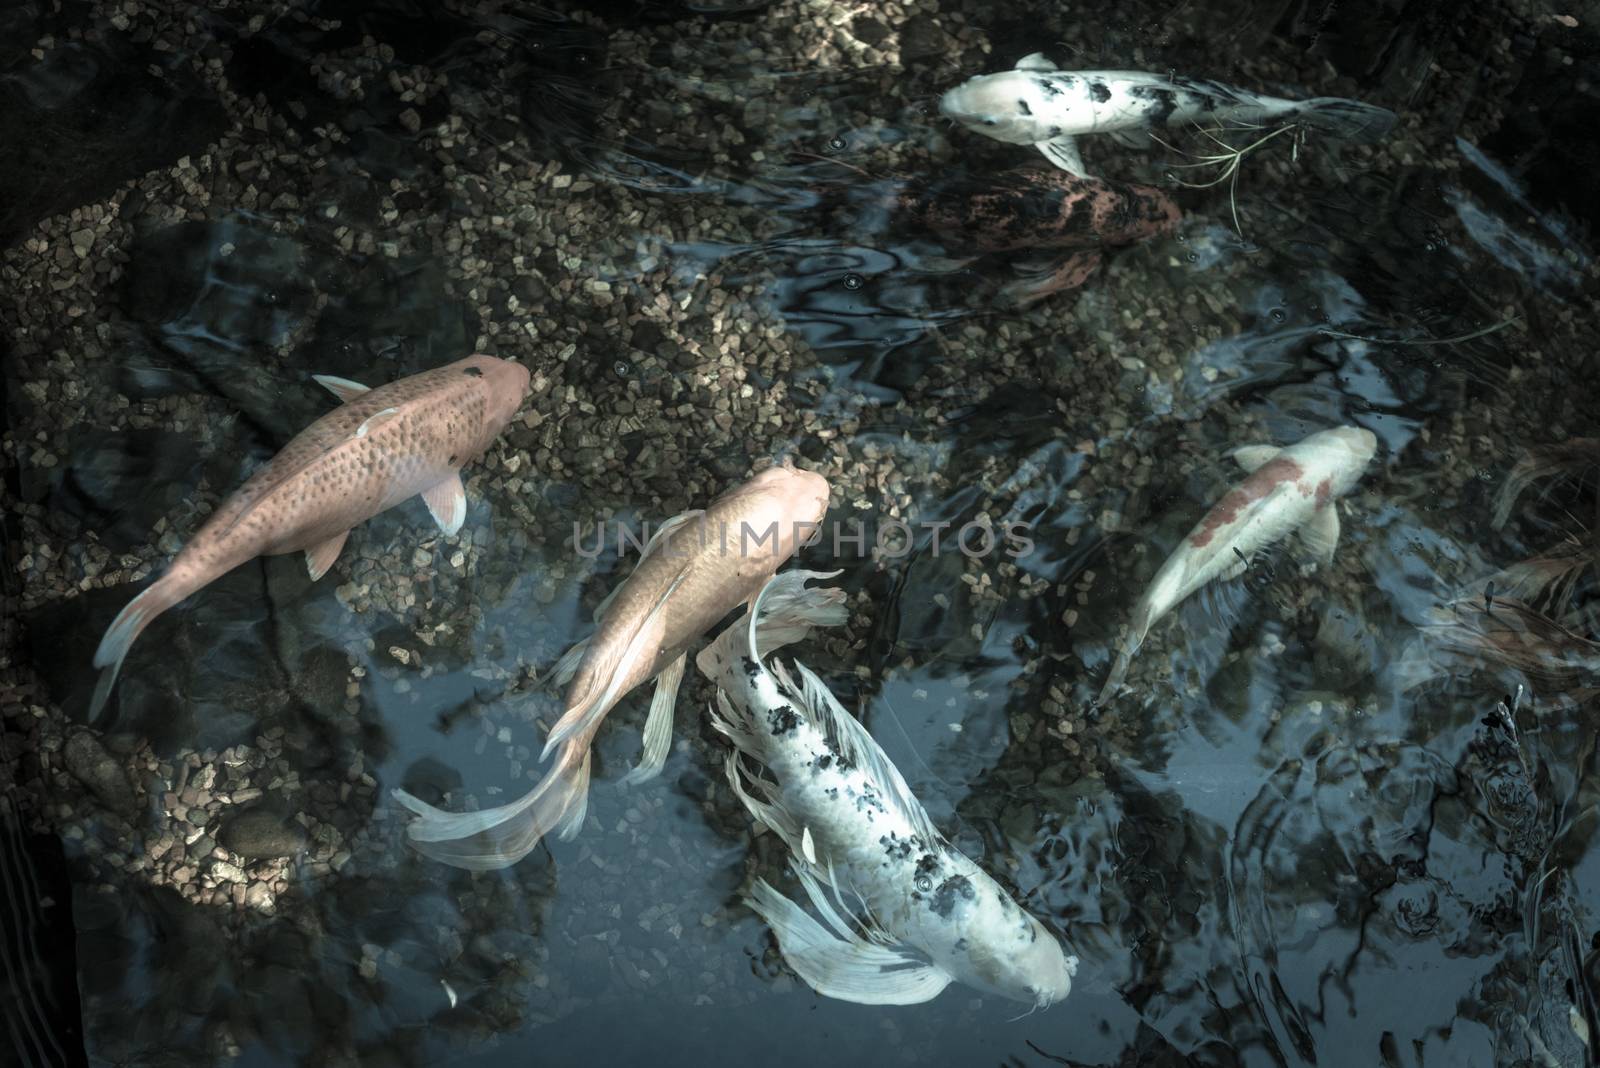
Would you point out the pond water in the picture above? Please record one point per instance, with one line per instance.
(1342, 814)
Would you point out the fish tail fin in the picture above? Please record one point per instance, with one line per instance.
(1348, 120)
(120, 635)
(499, 837)
(1130, 645)
(1119, 672)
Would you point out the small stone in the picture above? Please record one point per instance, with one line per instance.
(411, 120)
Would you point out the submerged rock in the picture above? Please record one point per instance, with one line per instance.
(262, 834)
(99, 770)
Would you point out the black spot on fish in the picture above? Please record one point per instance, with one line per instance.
(473, 372)
(820, 763)
(1098, 92)
(952, 892)
(1049, 86)
(452, 461)
(895, 847)
(782, 720)
(1055, 131)
(1161, 102)
(832, 792)
(961, 945)
(1022, 106)
(868, 800)
(927, 864)
(752, 670)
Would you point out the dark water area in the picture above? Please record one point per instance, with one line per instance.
(1339, 814)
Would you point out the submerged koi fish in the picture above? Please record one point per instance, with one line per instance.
(697, 568)
(1041, 210)
(1036, 104)
(409, 437)
(923, 915)
(1290, 489)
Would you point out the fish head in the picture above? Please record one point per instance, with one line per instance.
(1019, 107)
(1352, 449)
(1026, 963)
(780, 508)
(503, 382)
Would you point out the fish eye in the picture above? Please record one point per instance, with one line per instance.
(990, 122)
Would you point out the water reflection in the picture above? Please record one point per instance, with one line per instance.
(1287, 845)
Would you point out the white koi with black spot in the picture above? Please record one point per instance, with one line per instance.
(1036, 104)
(907, 914)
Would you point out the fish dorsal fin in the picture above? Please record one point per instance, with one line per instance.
(854, 744)
(447, 501)
(605, 689)
(1251, 457)
(342, 388)
(1035, 61)
(376, 420)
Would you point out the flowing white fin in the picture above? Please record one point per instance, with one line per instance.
(848, 968)
(120, 635)
(1063, 152)
(447, 502)
(767, 809)
(1251, 457)
(1035, 61)
(321, 556)
(1320, 533)
(658, 725)
(342, 388)
(782, 613)
(853, 743)
(499, 837)
(571, 821)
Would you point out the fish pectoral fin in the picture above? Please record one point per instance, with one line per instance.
(1063, 152)
(567, 666)
(448, 503)
(1035, 61)
(658, 725)
(846, 967)
(1320, 534)
(1251, 457)
(342, 388)
(321, 556)
(376, 420)
(1135, 139)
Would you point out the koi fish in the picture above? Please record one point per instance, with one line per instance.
(697, 568)
(1036, 104)
(1290, 489)
(907, 914)
(380, 446)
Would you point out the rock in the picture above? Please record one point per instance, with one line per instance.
(102, 773)
(921, 37)
(262, 834)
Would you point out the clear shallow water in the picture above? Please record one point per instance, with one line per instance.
(1277, 848)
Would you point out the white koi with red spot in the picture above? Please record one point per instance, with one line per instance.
(1288, 490)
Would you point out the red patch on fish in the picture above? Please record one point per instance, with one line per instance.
(1324, 491)
(1266, 478)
